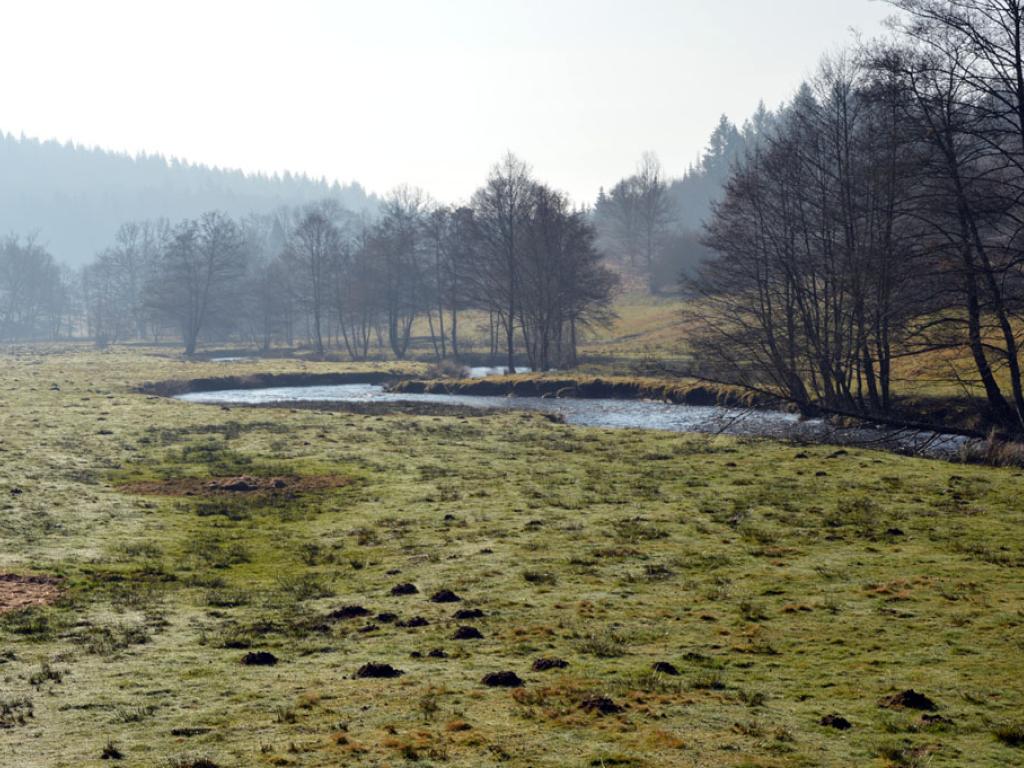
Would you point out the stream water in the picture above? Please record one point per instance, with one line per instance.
(633, 414)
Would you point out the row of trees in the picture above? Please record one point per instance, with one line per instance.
(518, 255)
(880, 218)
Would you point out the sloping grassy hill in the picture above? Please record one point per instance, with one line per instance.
(646, 326)
(653, 328)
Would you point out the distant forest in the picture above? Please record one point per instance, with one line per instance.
(113, 248)
(72, 199)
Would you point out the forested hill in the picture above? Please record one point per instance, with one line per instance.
(74, 198)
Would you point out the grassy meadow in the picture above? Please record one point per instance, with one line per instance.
(653, 328)
(692, 600)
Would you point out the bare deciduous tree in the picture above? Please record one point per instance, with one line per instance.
(501, 207)
(198, 274)
(314, 251)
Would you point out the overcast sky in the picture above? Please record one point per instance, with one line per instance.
(426, 92)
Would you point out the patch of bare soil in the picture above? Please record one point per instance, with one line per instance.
(445, 596)
(292, 485)
(18, 592)
(909, 699)
(348, 612)
(259, 659)
(378, 670)
(502, 680)
(838, 722)
(543, 665)
(602, 705)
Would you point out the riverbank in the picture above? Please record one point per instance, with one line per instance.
(962, 416)
(679, 391)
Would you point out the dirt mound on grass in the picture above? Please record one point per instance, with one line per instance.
(502, 680)
(838, 722)
(602, 705)
(543, 665)
(378, 671)
(909, 699)
(292, 485)
(259, 659)
(18, 592)
(445, 596)
(348, 612)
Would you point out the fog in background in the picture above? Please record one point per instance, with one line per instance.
(425, 93)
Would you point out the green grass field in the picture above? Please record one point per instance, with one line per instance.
(783, 584)
(644, 326)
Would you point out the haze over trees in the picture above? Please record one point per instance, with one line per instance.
(519, 256)
(110, 217)
(73, 198)
(878, 219)
(651, 225)
(197, 275)
(35, 292)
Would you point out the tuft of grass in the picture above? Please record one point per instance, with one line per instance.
(299, 587)
(604, 645)
(15, 711)
(708, 680)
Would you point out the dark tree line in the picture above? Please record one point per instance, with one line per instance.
(518, 255)
(880, 219)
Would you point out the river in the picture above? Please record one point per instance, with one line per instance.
(626, 414)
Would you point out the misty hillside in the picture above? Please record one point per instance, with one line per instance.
(74, 198)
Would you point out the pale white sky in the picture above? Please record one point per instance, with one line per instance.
(426, 92)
